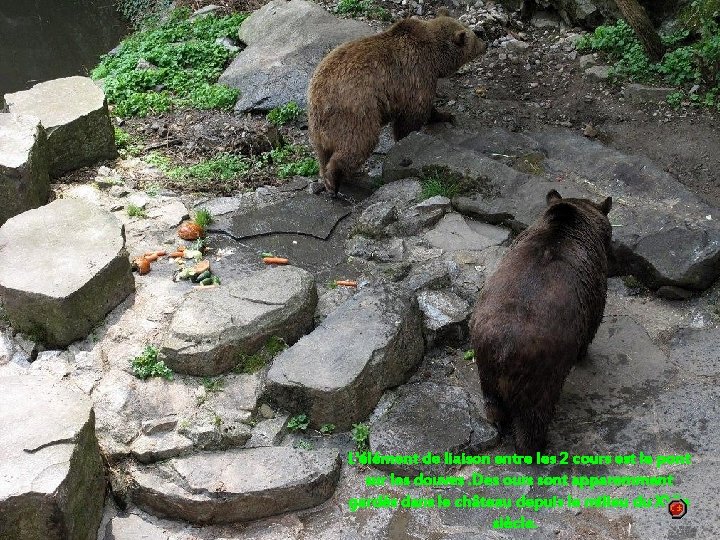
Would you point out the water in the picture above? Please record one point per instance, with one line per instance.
(47, 39)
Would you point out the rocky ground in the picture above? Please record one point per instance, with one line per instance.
(214, 445)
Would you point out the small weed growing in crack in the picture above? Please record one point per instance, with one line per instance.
(147, 365)
(213, 384)
(203, 217)
(469, 355)
(327, 429)
(217, 420)
(250, 363)
(134, 210)
(304, 445)
(299, 422)
(361, 435)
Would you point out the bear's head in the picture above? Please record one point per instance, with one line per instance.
(458, 44)
(584, 213)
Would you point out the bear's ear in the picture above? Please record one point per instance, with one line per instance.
(443, 12)
(606, 205)
(552, 197)
(459, 38)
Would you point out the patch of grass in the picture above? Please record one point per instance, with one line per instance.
(285, 113)
(223, 168)
(203, 217)
(327, 429)
(122, 138)
(439, 180)
(291, 160)
(299, 422)
(437, 185)
(147, 365)
(213, 384)
(362, 7)
(469, 355)
(251, 363)
(134, 210)
(217, 420)
(361, 435)
(184, 64)
(691, 61)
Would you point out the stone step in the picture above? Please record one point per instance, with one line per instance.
(430, 417)
(52, 484)
(211, 328)
(338, 373)
(63, 267)
(237, 485)
(24, 180)
(663, 234)
(74, 112)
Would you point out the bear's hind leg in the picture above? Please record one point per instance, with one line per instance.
(531, 426)
(404, 125)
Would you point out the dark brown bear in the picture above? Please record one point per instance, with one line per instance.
(538, 313)
(390, 77)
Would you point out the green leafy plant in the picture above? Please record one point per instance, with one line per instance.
(327, 429)
(171, 63)
(469, 355)
(361, 435)
(285, 113)
(298, 422)
(147, 365)
(251, 363)
(692, 59)
(134, 210)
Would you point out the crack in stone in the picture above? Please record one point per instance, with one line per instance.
(271, 233)
(70, 440)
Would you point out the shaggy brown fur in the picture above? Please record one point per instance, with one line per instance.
(539, 312)
(390, 77)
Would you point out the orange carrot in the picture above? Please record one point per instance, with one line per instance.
(346, 283)
(176, 254)
(161, 253)
(152, 257)
(275, 260)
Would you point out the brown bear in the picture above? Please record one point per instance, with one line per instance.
(538, 313)
(390, 77)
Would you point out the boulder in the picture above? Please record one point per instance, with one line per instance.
(53, 486)
(74, 112)
(445, 317)
(429, 417)
(285, 42)
(63, 267)
(211, 328)
(662, 233)
(338, 373)
(238, 485)
(24, 180)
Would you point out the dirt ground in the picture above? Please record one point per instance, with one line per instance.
(541, 85)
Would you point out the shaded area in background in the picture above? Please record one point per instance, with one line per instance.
(47, 39)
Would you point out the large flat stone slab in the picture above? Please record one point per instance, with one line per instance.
(212, 327)
(430, 417)
(662, 233)
(302, 213)
(239, 485)
(52, 485)
(74, 112)
(285, 42)
(63, 267)
(338, 373)
(24, 180)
